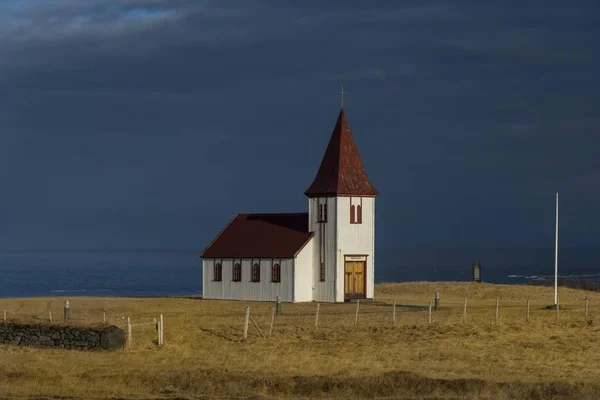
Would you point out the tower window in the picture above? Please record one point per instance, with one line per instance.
(322, 272)
(276, 273)
(237, 272)
(255, 272)
(322, 213)
(355, 213)
(218, 272)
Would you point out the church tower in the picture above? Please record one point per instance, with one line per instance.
(341, 212)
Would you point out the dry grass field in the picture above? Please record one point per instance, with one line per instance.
(205, 356)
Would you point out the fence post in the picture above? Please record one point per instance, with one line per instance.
(394, 313)
(317, 315)
(527, 319)
(356, 318)
(437, 300)
(465, 312)
(272, 320)
(4, 315)
(50, 315)
(162, 330)
(246, 323)
(278, 305)
(67, 310)
(104, 318)
(496, 311)
(586, 306)
(430, 311)
(129, 338)
(557, 308)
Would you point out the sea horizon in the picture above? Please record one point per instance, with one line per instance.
(171, 272)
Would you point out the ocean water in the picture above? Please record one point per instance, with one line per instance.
(179, 273)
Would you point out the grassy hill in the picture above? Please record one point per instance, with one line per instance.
(205, 355)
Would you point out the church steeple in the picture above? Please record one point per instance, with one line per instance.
(342, 172)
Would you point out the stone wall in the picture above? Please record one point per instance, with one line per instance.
(62, 337)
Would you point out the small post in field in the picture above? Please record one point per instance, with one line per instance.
(437, 300)
(430, 311)
(496, 311)
(4, 315)
(272, 320)
(50, 315)
(246, 323)
(67, 310)
(586, 307)
(465, 311)
(317, 315)
(104, 318)
(129, 338)
(557, 308)
(528, 301)
(394, 313)
(162, 330)
(278, 305)
(356, 317)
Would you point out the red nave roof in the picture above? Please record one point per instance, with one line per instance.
(342, 172)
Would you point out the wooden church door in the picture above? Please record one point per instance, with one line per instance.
(354, 279)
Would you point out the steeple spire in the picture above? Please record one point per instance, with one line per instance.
(342, 172)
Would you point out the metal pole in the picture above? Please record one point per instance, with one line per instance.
(67, 310)
(556, 258)
(356, 318)
(465, 311)
(317, 315)
(586, 306)
(527, 319)
(394, 313)
(278, 305)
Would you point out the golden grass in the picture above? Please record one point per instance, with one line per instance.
(205, 356)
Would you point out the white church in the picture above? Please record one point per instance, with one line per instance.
(325, 255)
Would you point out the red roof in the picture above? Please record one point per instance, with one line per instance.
(261, 236)
(342, 172)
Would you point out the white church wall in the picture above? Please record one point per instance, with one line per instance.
(324, 291)
(356, 239)
(265, 290)
(303, 273)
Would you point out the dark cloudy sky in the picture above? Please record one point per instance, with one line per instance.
(149, 123)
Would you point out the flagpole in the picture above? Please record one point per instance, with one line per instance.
(556, 257)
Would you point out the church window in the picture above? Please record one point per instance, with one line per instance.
(322, 272)
(237, 272)
(359, 214)
(352, 214)
(322, 213)
(218, 272)
(255, 272)
(276, 273)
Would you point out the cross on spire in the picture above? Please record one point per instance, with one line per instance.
(342, 95)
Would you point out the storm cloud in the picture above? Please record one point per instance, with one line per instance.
(148, 124)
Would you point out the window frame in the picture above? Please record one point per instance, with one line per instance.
(322, 214)
(255, 273)
(276, 273)
(236, 275)
(217, 272)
